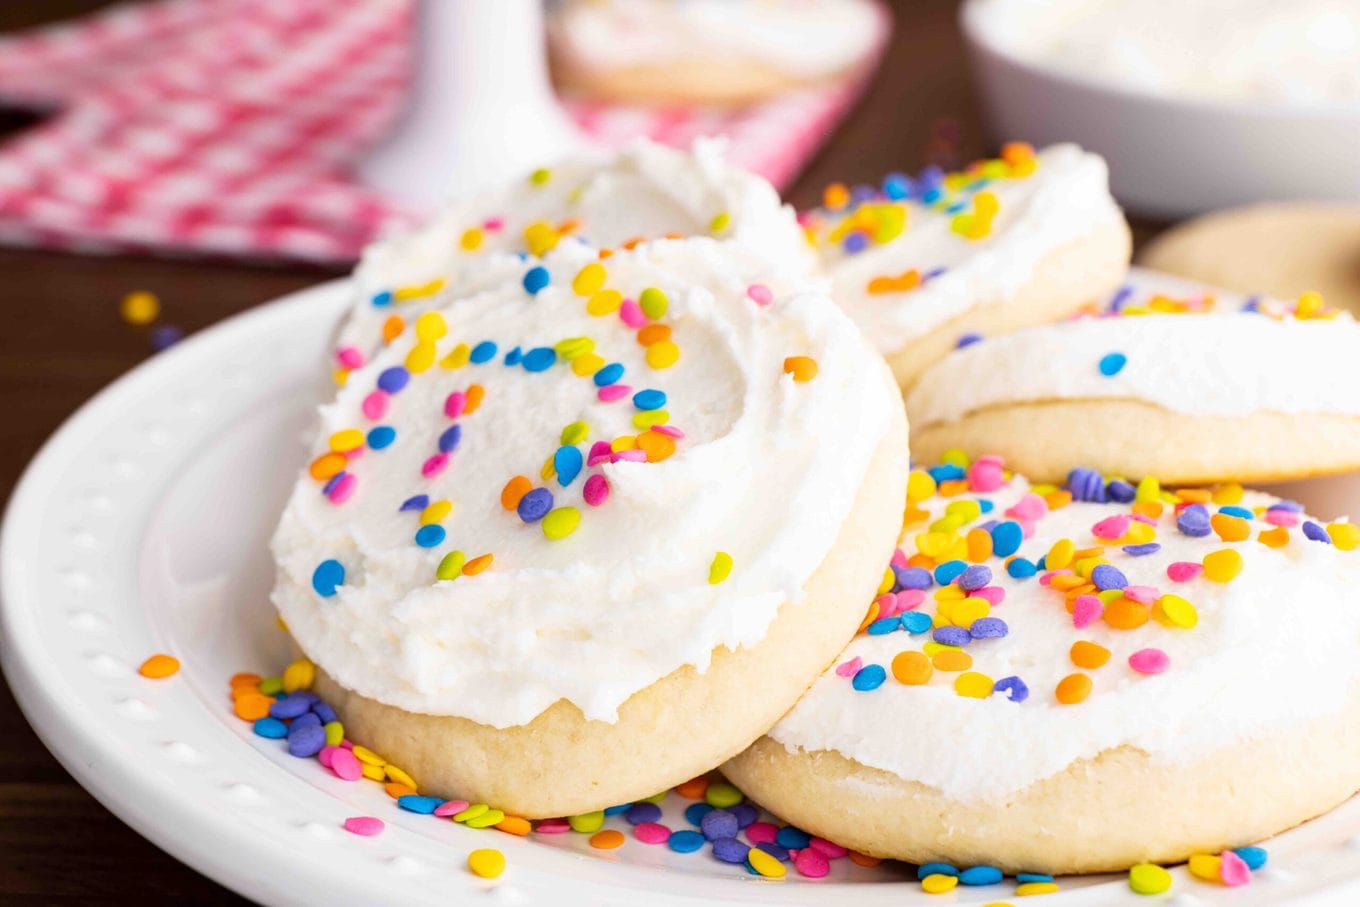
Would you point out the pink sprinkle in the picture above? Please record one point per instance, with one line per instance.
(1086, 610)
(596, 491)
(1233, 870)
(493, 223)
(600, 449)
(450, 808)
(651, 833)
(631, 313)
(990, 460)
(355, 454)
(1183, 571)
(1047, 578)
(1143, 518)
(899, 558)
(632, 456)
(600, 460)
(343, 489)
(350, 357)
(434, 465)
(346, 765)
(1029, 507)
(1028, 528)
(368, 826)
(453, 404)
(669, 431)
(1286, 518)
(324, 757)
(552, 826)
(375, 404)
(994, 595)
(1149, 661)
(887, 605)
(1112, 527)
(1143, 594)
(985, 475)
(827, 848)
(811, 864)
(613, 392)
(850, 668)
(762, 832)
(760, 294)
(910, 599)
(346, 745)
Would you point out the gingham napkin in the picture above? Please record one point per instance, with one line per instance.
(225, 127)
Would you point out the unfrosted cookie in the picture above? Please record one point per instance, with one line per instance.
(579, 538)
(1054, 684)
(646, 192)
(1175, 380)
(1280, 248)
(709, 51)
(924, 265)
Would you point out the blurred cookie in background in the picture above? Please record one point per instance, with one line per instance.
(708, 51)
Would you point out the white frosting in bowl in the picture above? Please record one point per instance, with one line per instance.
(1272, 648)
(1216, 359)
(1043, 204)
(766, 471)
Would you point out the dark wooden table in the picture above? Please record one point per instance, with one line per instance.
(61, 340)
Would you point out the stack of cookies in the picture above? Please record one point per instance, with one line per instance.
(616, 490)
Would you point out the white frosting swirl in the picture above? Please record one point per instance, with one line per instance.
(767, 471)
(1216, 361)
(1273, 648)
(1064, 199)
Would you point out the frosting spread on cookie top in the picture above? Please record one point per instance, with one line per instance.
(923, 251)
(1167, 342)
(1029, 628)
(570, 486)
(644, 192)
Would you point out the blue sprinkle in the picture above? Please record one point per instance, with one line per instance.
(792, 838)
(305, 720)
(1086, 485)
(719, 823)
(932, 176)
(869, 677)
(393, 379)
(333, 481)
(1243, 512)
(415, 803)
(930, 869)
(1121, 491)
(1141, 550)
(931, 195)
(855, 241)
(884, 625)
(382, 299)
(482, 352)
(306, 741)
(1291, 506)
(1107, 576)
(913, 577)
(1112, 364)
(897, 186)
(975, 577)
(534, 505)
(988, 628)
(956, 208)
(324, 712)
(1316, 533)
(271, 728)
(513, 357)
(1021, 568)
(1006, 538)
(1254, 857)
(415, 502)
(608, 375)
(290, 706)
(568, 462)
(985, 506)
(429, 536)
(967, 340)
(1013, 687)
(540, 359)
(779, 853)
(448, 441)
(745, 813)
(730, 850)
(328, 576)
(638, 813)
(1252, 304)
(1039, 564)
(980, 875)
(949, 571)
(1023, 877)
(535, 279)
(916, 622)
(649, 399)
(952, 636)
(1194, 521)
(685, 841)
(946, 472)
(695, 812)
(381, 437)
(615, 810)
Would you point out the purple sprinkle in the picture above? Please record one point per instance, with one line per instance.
(1291, 506)
(855, 242)
(291, 706)
(719, 823)
(1014, 688)
(1140, 550)
(1121, 491)
(165, 336)
(393, 379)
(952, 636)
(448, 441)
(730, 850)
(1086, 485)
(334, 480)
(1310, 529)
(975, 577)
(1121, 298)
(642, 812)
(1107, 577)
(306, 740)
(1194, 521)
(967, 340)
(419, 502)
(932, 274)
(745, 813)
(310, 719)
(988, 628)
(324, 712)
(534, 505)
(779, 853)
(913, 577)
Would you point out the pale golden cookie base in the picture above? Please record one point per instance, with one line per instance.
(1099, 815)
(1045, 440)
(1070, 277)
(681, 726)
(1282, 249)
(729, 83)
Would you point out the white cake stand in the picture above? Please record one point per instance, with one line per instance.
(481, 110)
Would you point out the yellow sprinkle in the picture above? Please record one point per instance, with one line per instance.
(1149, 878)
(485, 820)
(1149, 490)
(368, 757)
(340, 376)
(372, 772)
(1227, 493)
(605, 302)
(719, 223)
(300, 675)
(663, 354)
(451, 566)
(575, 433)
(457, 357)
(431, 326)
(589, 279)
(654, 303)
(1345, 536)
(471, 240)
(766, 865)
(587, 823)
(435, 512)
(473, 811)
(1222, 566)
(920, 485)
(421, 357)
(973, 685)
(399, 776)
(938, 883)
(967, 509)
(587, 365)
(1205, 866)
(548, 469)
(561, 522)
(1029, 889)
(419, 290)
(1174, 611)
(486, 862)
(139, 307)
(540, 176)
(647, 418)
(347, 440)
(541, 237)
(720, 568)
(1060, 555)
(574, 348)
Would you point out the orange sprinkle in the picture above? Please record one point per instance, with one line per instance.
(802, 368)
(1088, 654)
(159, 666)
(912, 668)
(870, 616)
(570, 225)
(653, 333)
(392, 328)
(1148, 508)
(694, 788)
(514, 825)
(244, 689)
(1059, 499)
(952, 487)
(1065, 581)
(244, 679)
(396, 790)
(1084, 553)
(979, 545)
(1275, 538)
(1126, 614)
(862, 859)
(1073, 689)
(632, 242)
(514, 490)
(473, 398)
(477, 565)
(607, 839)
(1230, 528)
(836, 196)
(950, 660)
(252, 706)
(907, 280)
(1017, 152)
(327, 466)
(1195, 495)
(655, 445)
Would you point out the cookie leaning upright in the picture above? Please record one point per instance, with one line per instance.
(579, 538)
(925, 265)
(1175, 378)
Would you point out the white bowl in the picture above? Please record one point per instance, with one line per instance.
(1169, 157)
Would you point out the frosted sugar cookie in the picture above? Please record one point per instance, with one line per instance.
(1173, 378)
(1081, 680)
(563, 547)
(924, 265)
(709, 51)
(645, 192)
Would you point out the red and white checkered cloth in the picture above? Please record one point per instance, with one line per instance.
(226, 127)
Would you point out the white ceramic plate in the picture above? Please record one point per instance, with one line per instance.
(142, 527)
